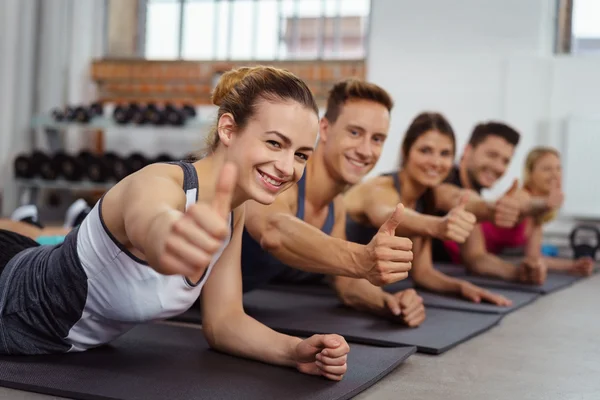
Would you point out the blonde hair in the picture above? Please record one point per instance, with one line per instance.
(239, 90)
(532, 159)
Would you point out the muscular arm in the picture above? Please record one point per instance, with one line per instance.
(299, 244)
(379, 203)
(428, 277)
(143, 207)
(447, 196)
(226, 326)
(356, 293)
(478, 260)
(534, 249)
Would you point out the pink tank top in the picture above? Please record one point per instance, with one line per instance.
(496, 239)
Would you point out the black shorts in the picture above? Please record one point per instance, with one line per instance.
(11, 244)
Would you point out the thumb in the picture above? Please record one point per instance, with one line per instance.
(392, 304)
(389, 226)
(464, 199)
(224, 191)
(514, 187)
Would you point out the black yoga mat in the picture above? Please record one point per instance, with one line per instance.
(519, 299)
(160, 361)
(554, 281)
(305, 314)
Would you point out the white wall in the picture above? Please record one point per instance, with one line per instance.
(476, 60)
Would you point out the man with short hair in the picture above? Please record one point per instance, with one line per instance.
(484, 161)
(301, 236)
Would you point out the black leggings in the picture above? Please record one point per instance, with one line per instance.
(11, 244)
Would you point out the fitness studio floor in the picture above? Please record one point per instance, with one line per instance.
(547, 350)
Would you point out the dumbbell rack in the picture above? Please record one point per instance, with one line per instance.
(20, 190)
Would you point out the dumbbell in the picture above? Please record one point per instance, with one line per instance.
(588, 248)
(136, 161)
(23, 167)
(189, 110)
(163, 157)
(97, 168)
(122, 114)
(173, 116)
(96, 109)
(119, 168)
(58, 115)
(43, 166)
(69, 167)
(154, 115)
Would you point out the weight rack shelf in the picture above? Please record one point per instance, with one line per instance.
(63, 184)
(47, 122)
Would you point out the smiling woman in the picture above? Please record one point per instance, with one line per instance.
(427, 154)
(169, 233)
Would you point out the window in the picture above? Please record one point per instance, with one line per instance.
(256, 29)
(585, 26)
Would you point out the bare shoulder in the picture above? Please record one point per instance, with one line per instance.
(153, 184)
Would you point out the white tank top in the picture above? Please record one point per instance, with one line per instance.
(124, 290)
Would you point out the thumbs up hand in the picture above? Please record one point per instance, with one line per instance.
(458, 223)
(508, 207)
(194, 239)
(388, 257)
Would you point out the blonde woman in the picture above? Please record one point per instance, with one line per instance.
(543, 179)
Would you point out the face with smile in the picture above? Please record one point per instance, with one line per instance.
(488, 161)
(430, 158)
(353, 143)
(546, 174)
(272, 149)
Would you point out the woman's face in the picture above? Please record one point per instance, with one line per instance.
(430, 158)
(546, 173)
(272, 149)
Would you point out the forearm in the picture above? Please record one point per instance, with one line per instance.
(482, 209)
(436, 281)
(360, 294)
(487, 264)
(417, 224)
(307, 248)
(536, 206)
(558, 264)
(241, 335)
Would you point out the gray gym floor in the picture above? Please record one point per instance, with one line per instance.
(548, 350)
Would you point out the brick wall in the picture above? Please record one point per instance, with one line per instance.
(192, 81)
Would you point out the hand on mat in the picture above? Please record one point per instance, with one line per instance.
(583, 266)
(458, 223)
(388, 257)
(324, 355)
(533, 271)
(477, 294)
(193, 240)
(407, 305)
(508, 207)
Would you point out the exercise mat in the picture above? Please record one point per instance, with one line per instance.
(519, 299)
(305, 314)
(430, 299)
(554, 281)
(161, 361)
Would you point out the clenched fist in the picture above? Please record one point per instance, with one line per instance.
(194, 239)
(458, 223)
(533, 271)
(583, 266)
(407, 305)
(324, 355)
(387, 257)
